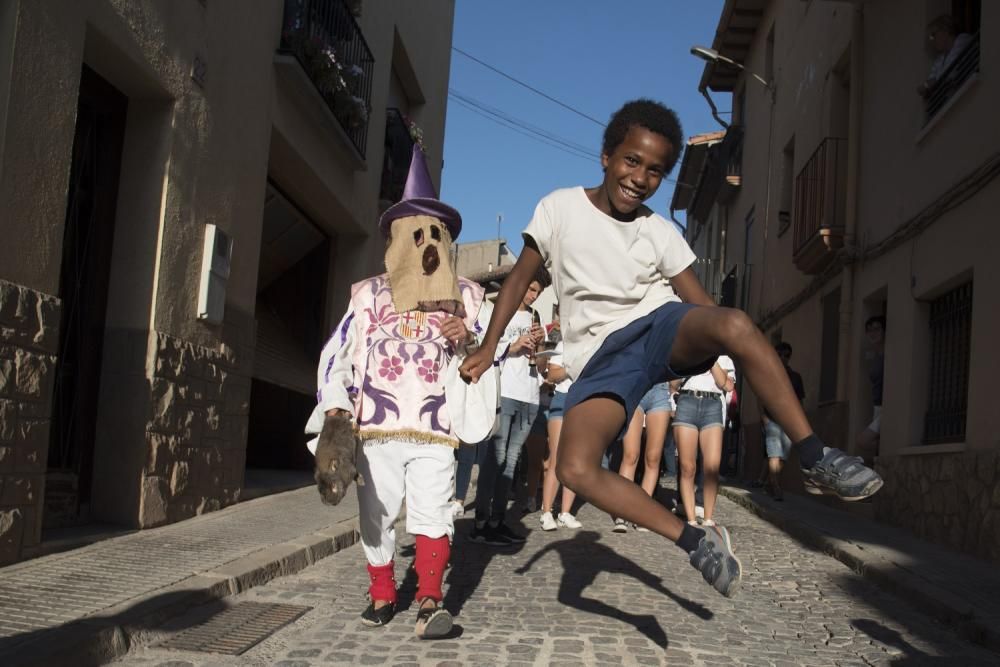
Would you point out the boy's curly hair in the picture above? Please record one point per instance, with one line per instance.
(651, 115)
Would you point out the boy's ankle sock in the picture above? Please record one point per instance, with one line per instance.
(810, 450)
(480, 524)
(690, 537)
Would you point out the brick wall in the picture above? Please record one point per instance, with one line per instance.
(29, 339)
(197, 432)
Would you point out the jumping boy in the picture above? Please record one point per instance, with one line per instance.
(625, 329)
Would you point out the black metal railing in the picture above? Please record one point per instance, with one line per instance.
(326, 40)
(398, 152)
(948, 389)
(819, 192)
(965, 65)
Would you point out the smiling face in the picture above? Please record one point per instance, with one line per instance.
(632, 172)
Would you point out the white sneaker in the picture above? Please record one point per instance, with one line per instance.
(569, 521)
(640, 529)
(621, 526)
(457, 509)
(548, 523)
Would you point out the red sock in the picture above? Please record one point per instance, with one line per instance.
(383, 582)
(430, 563)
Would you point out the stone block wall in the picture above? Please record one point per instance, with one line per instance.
(29, 341)
(197, 432)
(951, 499)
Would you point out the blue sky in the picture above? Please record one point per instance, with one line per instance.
(591, 54)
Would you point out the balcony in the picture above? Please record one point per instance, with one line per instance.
(324, 38)
(819, 207)
(396, 160)
(951, 80)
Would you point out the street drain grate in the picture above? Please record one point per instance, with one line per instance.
(236, 629)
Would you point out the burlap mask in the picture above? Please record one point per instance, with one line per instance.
(419, 266)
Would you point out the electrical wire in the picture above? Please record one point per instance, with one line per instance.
(525, 85)
(526, 130)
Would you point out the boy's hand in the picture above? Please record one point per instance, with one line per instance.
(453, 329)
(537, 333)
(476, 364)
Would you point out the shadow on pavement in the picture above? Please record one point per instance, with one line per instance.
(583, 558)
(469, 562)
(95, 639)
(912, 656)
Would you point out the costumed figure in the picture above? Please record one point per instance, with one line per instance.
(391, 407)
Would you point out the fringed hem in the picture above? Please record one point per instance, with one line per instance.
(376, 437)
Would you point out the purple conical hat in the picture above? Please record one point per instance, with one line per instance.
(419, 198)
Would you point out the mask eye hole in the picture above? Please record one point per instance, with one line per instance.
(418, 237)
(435, 232)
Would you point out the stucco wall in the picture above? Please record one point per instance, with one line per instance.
(174, 390)
(934, 185)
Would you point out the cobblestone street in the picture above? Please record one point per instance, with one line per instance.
(596, 597)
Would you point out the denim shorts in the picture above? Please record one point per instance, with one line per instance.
(657, 399)
(698, 413)
(633, 359)
(777, 444)
(558, 405)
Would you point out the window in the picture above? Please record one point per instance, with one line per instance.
(954, 46)
(948, 391)
(830, 347)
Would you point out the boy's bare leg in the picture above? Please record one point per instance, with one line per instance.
(708, 331)
(588, 428)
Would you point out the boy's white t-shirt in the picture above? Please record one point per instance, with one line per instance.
(605, 273)
(518, 379)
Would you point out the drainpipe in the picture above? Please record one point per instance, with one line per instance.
(846, 336)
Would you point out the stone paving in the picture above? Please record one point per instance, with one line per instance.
(592, 597)
(53, 590)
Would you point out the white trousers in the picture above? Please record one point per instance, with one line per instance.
(423, 474)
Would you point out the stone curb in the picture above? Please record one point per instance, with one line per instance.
(96, 640)
(929, 598)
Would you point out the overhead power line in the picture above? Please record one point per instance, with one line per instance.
(523, 126)
(525, 85)
(554, 143)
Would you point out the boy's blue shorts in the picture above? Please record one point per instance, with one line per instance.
(633, 359)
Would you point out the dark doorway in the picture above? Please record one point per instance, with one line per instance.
(291, 297)
(83, 288)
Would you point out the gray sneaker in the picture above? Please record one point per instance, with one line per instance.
(838, 474)
(715, 560)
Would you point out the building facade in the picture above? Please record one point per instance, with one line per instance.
(187, 190)
(839, 193)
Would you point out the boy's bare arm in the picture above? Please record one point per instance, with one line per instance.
(689, 288)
